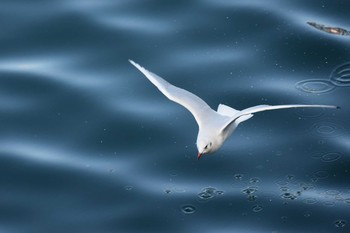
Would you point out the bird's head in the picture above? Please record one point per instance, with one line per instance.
(205, 145)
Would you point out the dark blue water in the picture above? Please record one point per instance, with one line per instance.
(88, 144)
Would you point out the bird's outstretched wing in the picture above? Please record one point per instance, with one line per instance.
(199, 109)
(261, 108)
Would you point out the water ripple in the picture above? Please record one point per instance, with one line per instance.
(315, 86)
(58, 157)
(341, 75)
(327, 128)
(188, 209)
(53, 68)
(331, 157)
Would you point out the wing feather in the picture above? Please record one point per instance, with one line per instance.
(199, 109)
(261, 108)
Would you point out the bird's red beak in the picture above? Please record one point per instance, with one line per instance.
(199, 156)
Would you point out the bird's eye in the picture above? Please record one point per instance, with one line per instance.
(206, 147)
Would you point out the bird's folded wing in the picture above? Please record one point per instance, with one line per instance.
(199, 109)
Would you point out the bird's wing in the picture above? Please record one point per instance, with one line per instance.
(199, 109)
(261, 108)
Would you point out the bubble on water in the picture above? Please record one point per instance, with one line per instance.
(290, 177)
(250, 190)
(307, 186)
(315, 86)
(209, 190)
(314, 179)
(339, 223)
(219, 192)
(327, 129)
(331, 157)
(307, 214)
(254, 180)
(238, 176)
(257, 208)
(321, 174)
(188, 209)
(341, 75)
(205, 196)
(128, 188)
(173, 173)
(167, 191)
(252, 197)
(288, 195)
(208, 193)
(310, 201)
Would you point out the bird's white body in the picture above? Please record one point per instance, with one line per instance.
(214, 126)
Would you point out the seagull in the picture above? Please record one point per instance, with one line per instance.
(214, 126)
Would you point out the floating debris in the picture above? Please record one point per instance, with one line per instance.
(331, 30)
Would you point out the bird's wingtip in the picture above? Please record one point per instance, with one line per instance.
(338, 107)
(135, 64)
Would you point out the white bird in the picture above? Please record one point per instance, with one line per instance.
(214, 126)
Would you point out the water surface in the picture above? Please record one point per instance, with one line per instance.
(87, 144)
